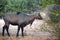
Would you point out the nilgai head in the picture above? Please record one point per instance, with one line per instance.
(38, 16)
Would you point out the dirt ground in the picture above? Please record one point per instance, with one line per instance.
(42, 37)
(23, 38)
(20, 38)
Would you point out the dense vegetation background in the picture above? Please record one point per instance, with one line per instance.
(24, 5)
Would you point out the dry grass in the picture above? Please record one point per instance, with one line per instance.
(13, 37)
(21, 38)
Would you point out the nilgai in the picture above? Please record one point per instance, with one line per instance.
(20, 19)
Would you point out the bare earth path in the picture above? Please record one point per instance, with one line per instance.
(41, 37)
(26, 38)
(22, 38)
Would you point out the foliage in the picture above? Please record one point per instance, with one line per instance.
(55, 16)
(23, 5)
(53, 25)
(54, 22)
